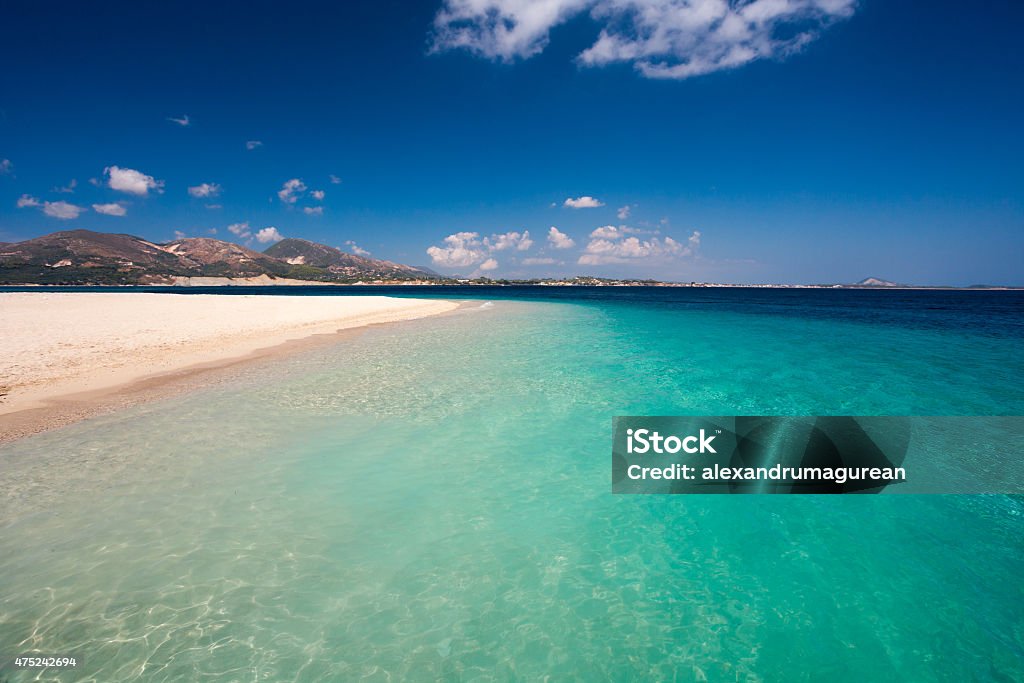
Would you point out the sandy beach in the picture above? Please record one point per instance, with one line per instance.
(57, 346)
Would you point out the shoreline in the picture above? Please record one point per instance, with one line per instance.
(44, 402)
(282, 283)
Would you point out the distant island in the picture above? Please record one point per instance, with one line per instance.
(85, 257)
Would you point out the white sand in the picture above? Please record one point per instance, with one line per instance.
(56, 344)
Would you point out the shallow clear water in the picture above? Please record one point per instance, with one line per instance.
(432, 501)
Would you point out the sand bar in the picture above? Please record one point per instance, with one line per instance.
(59, 344)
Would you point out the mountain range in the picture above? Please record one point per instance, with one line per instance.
(87, 257)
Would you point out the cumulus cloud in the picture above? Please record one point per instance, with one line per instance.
(510, 240)
(539, 261)
(179, 235)
(335, 180)
(468, 248)
(614, 247)
(659, 38)
(112, 209)
(267, 235)
(240, 230)
(183, 121)
(290, 191)
(461, 249)
(318, 195)
(609, 232)
(313, 210)
(356, 249)
(6, 167)
(623, 212)
(205, 190)
(489, 264)
(62, 210)
(583, 202)
(559, 240)
(67, 189)
(252, 144)
(131, 181)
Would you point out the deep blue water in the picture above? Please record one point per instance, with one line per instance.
(995, 312)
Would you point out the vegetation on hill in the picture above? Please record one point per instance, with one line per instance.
(84, 257)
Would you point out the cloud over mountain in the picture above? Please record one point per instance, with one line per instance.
(290, 191)
(131, 181)
(112, 209)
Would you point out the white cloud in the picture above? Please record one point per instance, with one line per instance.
(609, 232)
(240, 229)
(604, 250)
(583, 202)
(67, 189)
(468, 248)
(660, 38)
(500, 29)
(290, 190)
(110, 209)
(460, 250)
(253, 144)
(179, 235)
(212, 231)
(213, 206)
(183, 121)
(489, 264)
(559, 240)
(131, 181)
(318, 195)
(335, 180)
(356, 249)
(539, 261)
(269, 235)
(6, 167)
(205, 190)
(62, 210)
(510, 240)
(313, 210)
(623, 212)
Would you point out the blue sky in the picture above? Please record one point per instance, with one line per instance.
(763, 141)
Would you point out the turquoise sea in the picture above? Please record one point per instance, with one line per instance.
(431, 501)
